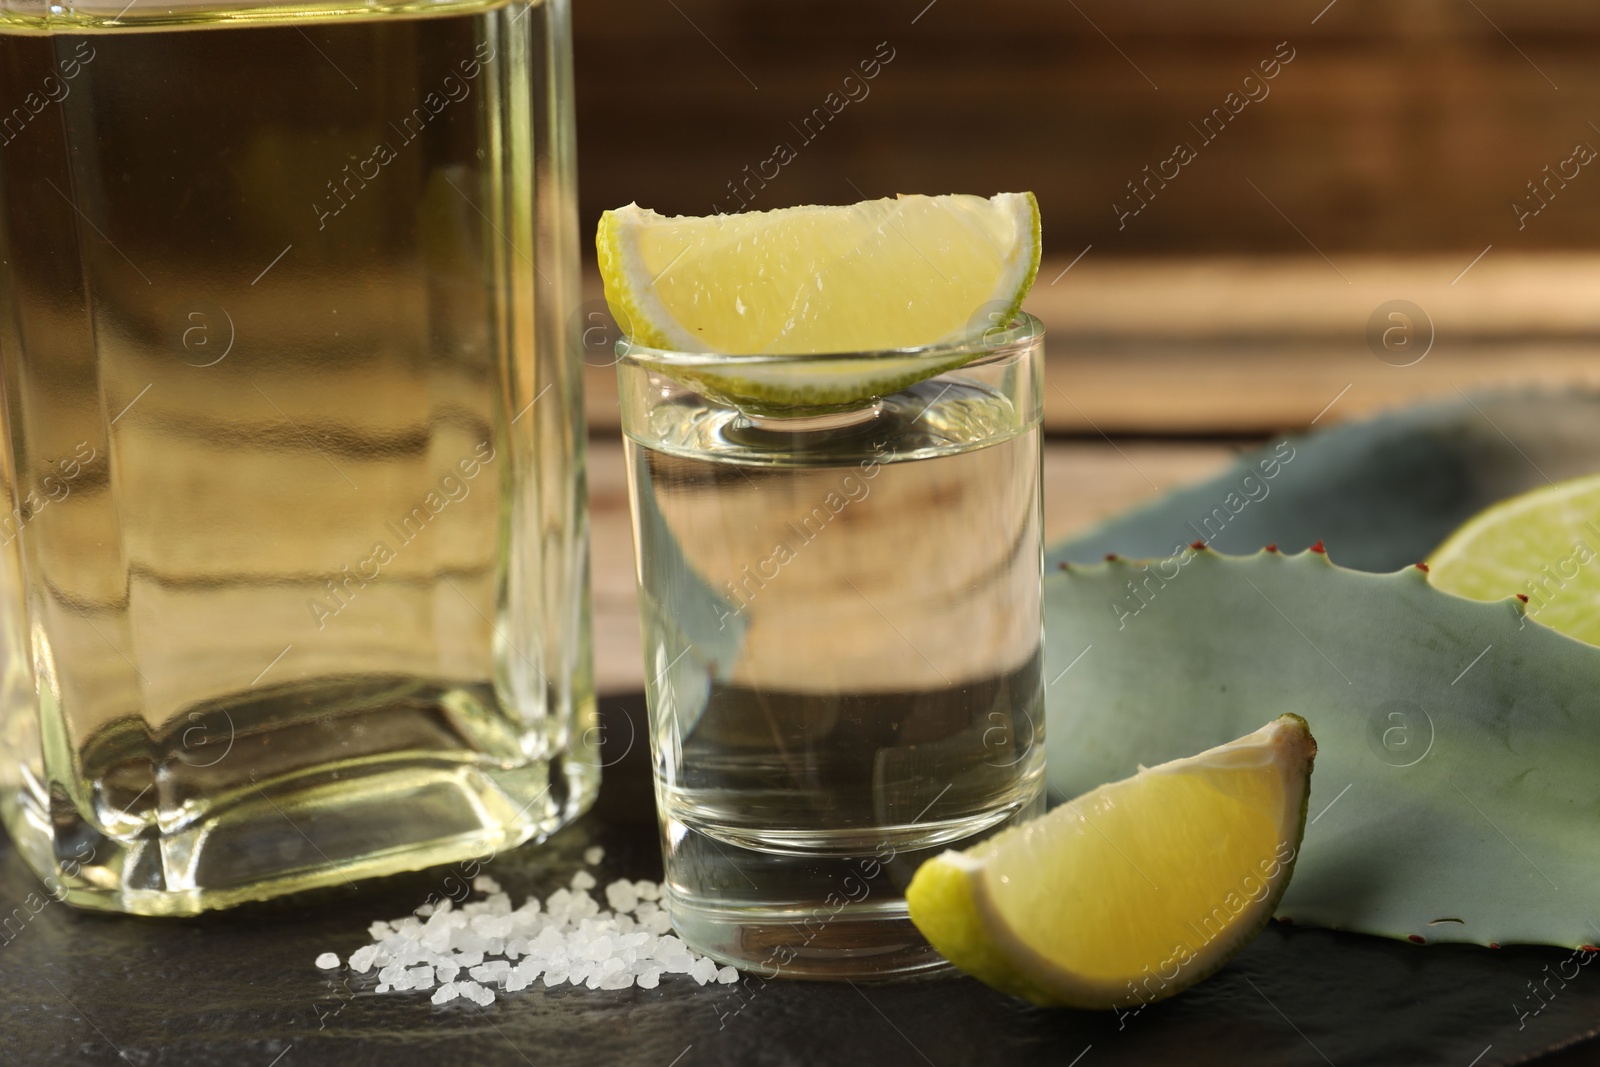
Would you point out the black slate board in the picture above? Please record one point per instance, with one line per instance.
(238, 989)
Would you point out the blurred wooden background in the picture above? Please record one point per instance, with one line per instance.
(1397, 128)
(1380, 163)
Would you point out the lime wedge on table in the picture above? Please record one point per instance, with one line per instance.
(871, 277)
(1544, 544)
(1135, 890)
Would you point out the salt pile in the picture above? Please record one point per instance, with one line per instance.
(568, 939)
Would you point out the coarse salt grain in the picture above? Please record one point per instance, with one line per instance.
(327, 961)
(621, 895)
(593, 855)
(475, 993)
(491, 972)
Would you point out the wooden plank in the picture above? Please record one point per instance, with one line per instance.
(1203, 389)
(1083, 483)
(1254, 346)
(1503, 296)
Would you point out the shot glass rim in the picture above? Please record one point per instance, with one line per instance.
(1025, 330)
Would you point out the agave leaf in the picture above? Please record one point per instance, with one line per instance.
(1455, 796)
(1380, 493)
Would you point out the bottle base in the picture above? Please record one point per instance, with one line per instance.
(327, 830)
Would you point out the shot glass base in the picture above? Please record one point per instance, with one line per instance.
(817, 904)
(859, 942)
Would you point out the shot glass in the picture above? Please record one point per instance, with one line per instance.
(842, 627)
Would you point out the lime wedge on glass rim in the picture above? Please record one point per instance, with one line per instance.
(1135, 890)
(1543, 544)
(810, 309)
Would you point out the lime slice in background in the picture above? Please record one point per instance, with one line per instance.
(1544, 544)
(875, 278)
(1135, 890)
